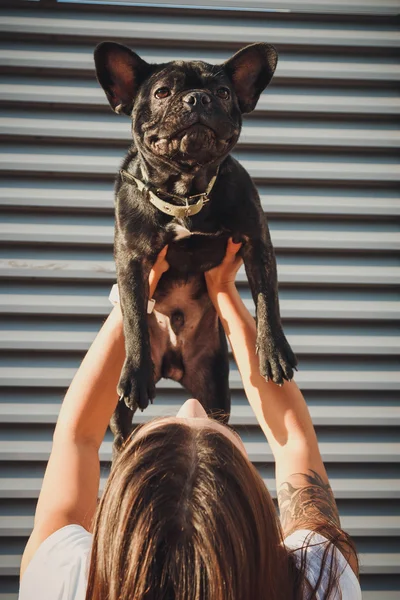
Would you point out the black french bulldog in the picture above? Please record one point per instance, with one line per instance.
(180, 186)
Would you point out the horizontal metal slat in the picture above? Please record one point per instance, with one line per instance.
(95, 235)
(77, 341)
(287, 274)
(136, 28)
(308, 380)
(330, 7)
(37, 304)
(290, 69)
(357, 488)
(59, 162)
(383, 563)
(333, 415)
(51, 195)
(378, 594)
(356, 7)
(258, 135)
(376, 525)
(349, 452)
(288, 101)
(313, 202)
(370, 563)
(282, 200)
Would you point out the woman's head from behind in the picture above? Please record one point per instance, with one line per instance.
(186, 516)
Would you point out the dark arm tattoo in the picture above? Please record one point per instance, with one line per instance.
(307, 502)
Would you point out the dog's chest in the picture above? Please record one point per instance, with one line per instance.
(180, 231)
(194, 251)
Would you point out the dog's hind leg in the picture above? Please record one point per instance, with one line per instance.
(121, 426)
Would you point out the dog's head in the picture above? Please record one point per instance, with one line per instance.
(186, 113)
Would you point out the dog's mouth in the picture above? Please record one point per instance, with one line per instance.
(189, 140)
(194, 128)
(196, 137)
(196, 140)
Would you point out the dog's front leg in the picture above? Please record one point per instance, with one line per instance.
(136, 385)
(275, 354)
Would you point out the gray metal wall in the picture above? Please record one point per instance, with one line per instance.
(322, 148)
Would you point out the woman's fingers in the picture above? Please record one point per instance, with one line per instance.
(232, 249)
(232, 257)
(233, 246)
(162, 254)
(225, 272)
(161, 265)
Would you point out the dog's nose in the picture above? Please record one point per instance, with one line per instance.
(197, 99)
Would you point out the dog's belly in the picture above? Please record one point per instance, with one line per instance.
(182, 325)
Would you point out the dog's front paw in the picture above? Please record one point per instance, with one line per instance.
(136, 385)
(276, 358)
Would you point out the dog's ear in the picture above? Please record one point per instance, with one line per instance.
(250, 70)
(120, 72)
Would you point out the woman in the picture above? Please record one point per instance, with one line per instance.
(184, 514)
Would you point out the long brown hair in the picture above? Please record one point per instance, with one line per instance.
(185, 516)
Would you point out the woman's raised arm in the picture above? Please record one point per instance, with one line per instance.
(71, 482)
(304, 495)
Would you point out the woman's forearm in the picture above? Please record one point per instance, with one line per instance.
(92, 395)
(281, 411)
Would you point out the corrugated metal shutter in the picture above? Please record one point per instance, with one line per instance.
(322, 148)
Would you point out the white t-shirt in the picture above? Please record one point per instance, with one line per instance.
(59, 567)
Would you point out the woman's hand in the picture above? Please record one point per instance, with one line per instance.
(224, 275)
(159, 267)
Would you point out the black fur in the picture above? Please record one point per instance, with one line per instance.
(181, 134)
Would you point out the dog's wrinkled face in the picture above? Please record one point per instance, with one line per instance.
(185, 112)
(193, 110)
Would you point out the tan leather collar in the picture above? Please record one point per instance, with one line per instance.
(173, 210)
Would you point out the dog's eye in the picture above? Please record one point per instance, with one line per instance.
(223, 93)
(162, 92)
